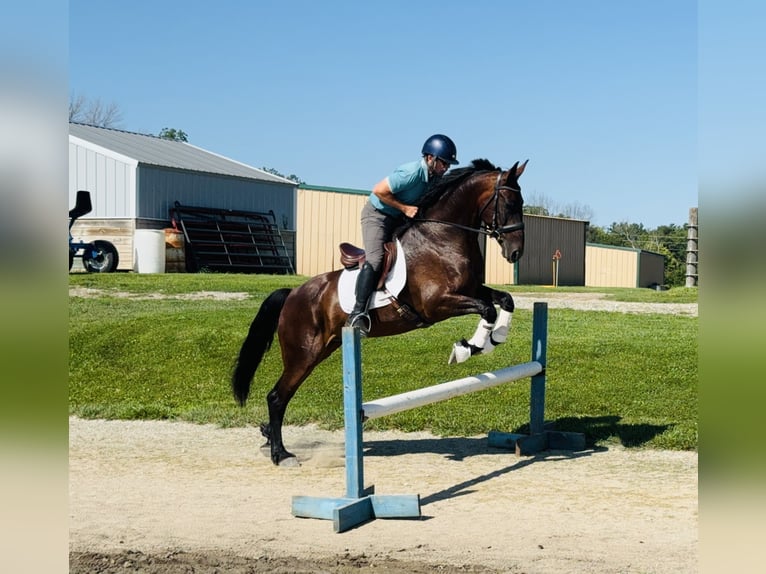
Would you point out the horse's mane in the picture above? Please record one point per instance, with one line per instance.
(451, 180)
(440, 187)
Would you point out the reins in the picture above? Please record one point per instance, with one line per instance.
(495, 231)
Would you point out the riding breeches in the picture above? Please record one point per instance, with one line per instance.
(377, 229)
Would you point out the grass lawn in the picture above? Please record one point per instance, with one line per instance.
(619, 378)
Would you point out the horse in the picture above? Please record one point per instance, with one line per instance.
(444, 268)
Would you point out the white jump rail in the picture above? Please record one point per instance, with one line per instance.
(437, 393)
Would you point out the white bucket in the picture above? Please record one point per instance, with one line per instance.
(149, 251)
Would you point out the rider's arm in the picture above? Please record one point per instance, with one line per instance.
(383, 192)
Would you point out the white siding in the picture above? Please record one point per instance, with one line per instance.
(111, 181)
(498, 271)
(325, 220)
(607, 266)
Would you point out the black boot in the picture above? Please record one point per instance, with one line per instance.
(365, 285)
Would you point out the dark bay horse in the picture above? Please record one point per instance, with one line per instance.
(444, 271)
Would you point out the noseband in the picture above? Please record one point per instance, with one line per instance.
(494, 231)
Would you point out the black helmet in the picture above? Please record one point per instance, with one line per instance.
(442, 147)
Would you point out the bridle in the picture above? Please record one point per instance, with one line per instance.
(494, 231)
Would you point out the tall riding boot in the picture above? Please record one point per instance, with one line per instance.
(365, 285)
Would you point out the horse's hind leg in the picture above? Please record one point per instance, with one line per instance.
(296, 370)
(277, 402)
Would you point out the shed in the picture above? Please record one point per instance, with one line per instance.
(612, 266)
(135, 179)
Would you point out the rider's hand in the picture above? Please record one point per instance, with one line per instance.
(410, 211)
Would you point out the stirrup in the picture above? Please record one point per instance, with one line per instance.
(361, 320)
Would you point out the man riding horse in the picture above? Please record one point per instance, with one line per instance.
(389, 203)
(441, 253)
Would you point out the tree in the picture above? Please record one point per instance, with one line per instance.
(94, 112)
(674, 237)
(536, 210)
(540, 204)
(675, 269)
(174, 134)
(576, 210)
(631, 234)
(291, 177)
(596, 234)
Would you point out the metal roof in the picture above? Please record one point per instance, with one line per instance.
(153, 150)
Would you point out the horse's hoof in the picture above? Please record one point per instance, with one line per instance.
(461, 352)
(489, 346)
(289, 462)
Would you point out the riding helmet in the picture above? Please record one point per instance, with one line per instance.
(442, 147)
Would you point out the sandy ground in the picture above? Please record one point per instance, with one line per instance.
(162, 497)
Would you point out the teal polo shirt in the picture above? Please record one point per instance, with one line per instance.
(408, 182)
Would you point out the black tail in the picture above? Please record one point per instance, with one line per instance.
(256, 344)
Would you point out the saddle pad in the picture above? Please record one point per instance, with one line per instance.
(395, 281)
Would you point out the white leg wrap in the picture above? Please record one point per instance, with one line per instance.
(481, 336)
(500, 330)
(461, 351)
(486, 337)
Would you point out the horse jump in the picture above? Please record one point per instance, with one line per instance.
(361, 505)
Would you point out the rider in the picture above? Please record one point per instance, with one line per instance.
(389, 203)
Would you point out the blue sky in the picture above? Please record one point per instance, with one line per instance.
(600, 96)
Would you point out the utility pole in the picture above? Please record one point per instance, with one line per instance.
(692, 249)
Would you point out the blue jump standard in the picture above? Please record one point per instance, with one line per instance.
(361, 505)
(358, 506)
(541, 437)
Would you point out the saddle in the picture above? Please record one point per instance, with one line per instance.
(353, 257)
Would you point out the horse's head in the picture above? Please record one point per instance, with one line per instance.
(502, 212)
(479, 195)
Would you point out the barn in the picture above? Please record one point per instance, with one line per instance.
(612, 266)
(554, 253)
(137, 180)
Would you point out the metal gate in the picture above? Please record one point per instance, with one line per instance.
(231, 241)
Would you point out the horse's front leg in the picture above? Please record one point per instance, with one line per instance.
(502, 325)
(491, 331)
